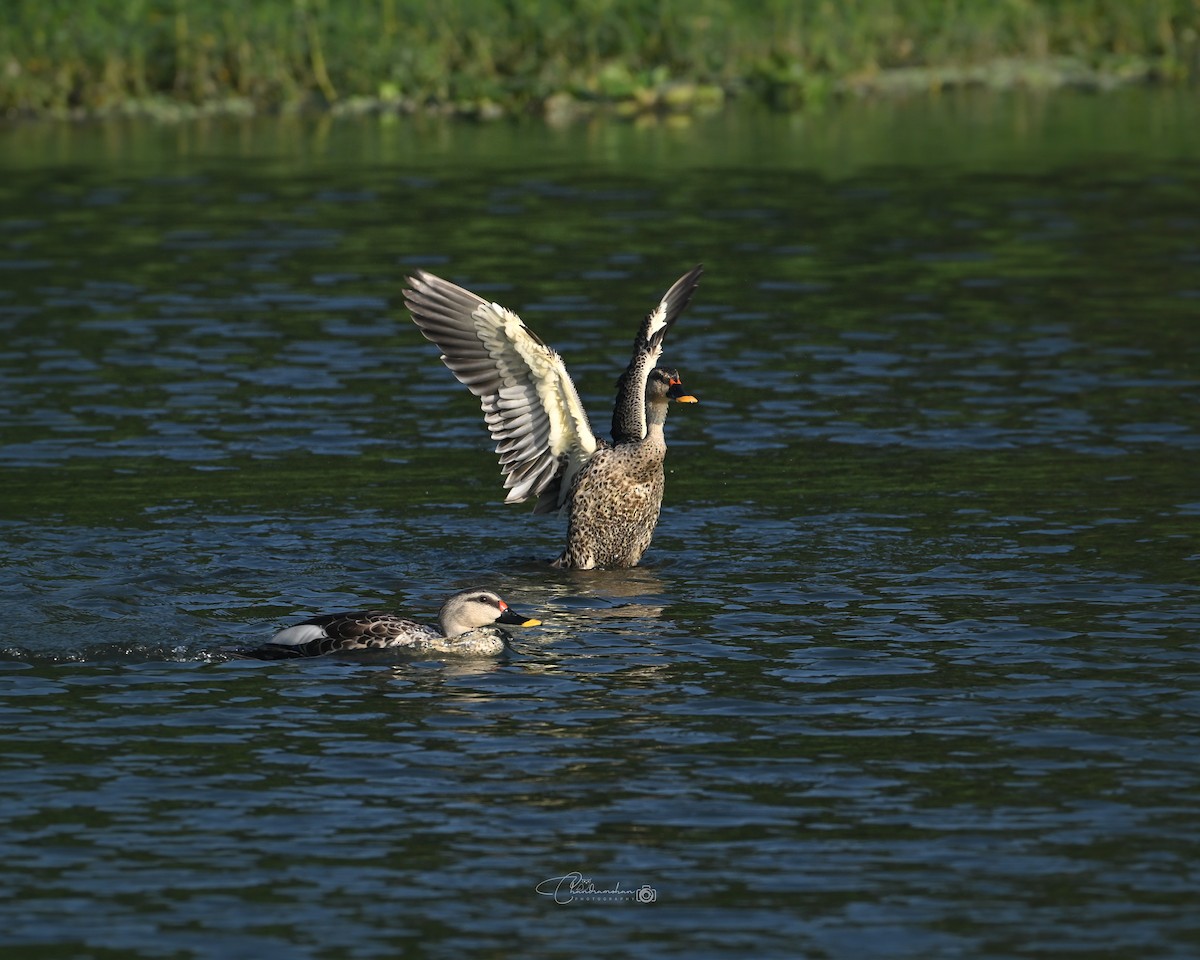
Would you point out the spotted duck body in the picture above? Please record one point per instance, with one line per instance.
(614, 507)
(612, 491)
(465, 628)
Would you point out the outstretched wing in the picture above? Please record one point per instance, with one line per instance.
(629, 412)
(530, 405)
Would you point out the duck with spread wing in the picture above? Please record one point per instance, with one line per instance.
(612, 491)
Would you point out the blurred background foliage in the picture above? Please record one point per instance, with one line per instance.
(496, 57)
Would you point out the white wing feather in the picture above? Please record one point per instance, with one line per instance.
(531, 407)
(300, 633)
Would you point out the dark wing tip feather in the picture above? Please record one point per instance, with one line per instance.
(433, 301)
(428, 296)
(680, 294)
(271, 651)
(674, 302)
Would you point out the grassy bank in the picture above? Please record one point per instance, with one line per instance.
(560, 57)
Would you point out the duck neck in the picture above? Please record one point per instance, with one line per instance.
(656, 416)
(449, 623)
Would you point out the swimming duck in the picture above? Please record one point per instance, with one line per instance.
(611, 492)
(464, 629)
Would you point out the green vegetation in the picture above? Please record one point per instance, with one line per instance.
(561, 57)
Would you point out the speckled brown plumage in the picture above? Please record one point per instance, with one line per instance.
(615, 504)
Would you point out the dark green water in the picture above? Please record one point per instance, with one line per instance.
(910, 670)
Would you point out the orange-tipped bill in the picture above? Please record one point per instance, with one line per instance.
(516, 619)
(675, 392)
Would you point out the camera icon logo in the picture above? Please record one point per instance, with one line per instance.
(646, 894)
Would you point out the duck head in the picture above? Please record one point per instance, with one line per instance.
(471, 609)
